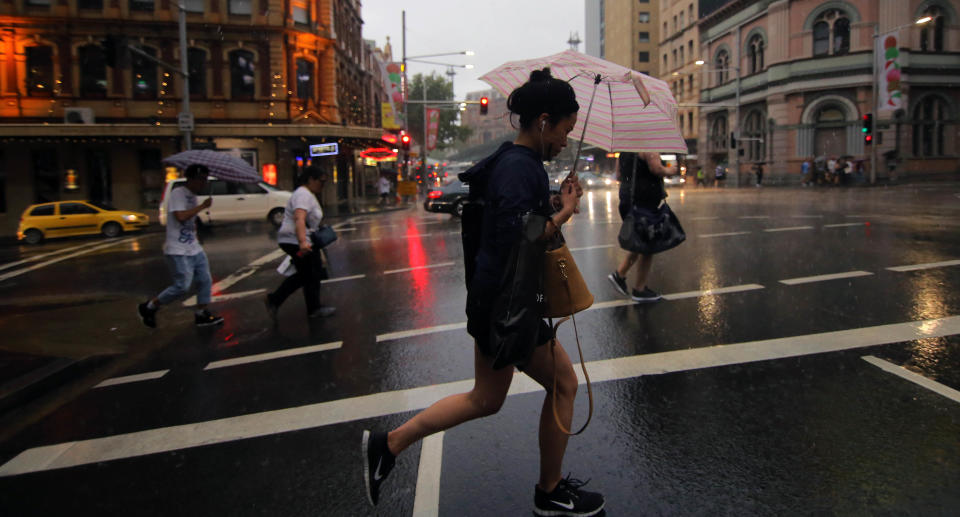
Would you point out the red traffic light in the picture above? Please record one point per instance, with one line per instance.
(484, 105)
(868, 138)
(405, 141)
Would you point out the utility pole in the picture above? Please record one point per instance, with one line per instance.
(185, 78)
(406, 126)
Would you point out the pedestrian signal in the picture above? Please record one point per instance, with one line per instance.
(405, 142)
(484, 105)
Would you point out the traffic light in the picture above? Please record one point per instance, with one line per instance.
(733, 140)
(116, 53)
(867, 128)
(484, 105)
(405, 142)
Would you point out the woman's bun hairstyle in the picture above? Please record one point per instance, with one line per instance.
(542, 94)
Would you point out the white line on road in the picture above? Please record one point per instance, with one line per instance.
(728, 234)
(789, 229)
(599, 246)
(273, 355)
(109, 244)
(342, 279)
(929, 265)
(915, 378)
(807, 216)
(153, 441)
(192, 301)
(420, 332)
(426, 502)
(823, 278)
(238, 275)
(132, 378)
(404, 270)
(843, 225)
(712, 292)
(341, 230)
(48, 254)
(754, 217)
(704, 218)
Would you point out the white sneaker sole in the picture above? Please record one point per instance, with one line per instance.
(366, 466)
(616, 285)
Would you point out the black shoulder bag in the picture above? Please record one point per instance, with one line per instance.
(649, 231)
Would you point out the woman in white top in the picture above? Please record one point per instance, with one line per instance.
(302, 216)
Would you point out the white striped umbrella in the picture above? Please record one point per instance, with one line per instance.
(629, 111)
(222, 165)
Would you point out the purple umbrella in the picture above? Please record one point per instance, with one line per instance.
(221, 164)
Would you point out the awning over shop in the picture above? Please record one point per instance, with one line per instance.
(201, 130)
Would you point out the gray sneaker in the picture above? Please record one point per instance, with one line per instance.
(646, 296)
(619, 283)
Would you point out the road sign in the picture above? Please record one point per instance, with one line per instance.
(185, 121)
(324, 149)
(407, 188)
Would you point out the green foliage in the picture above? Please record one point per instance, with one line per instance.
(438, 88)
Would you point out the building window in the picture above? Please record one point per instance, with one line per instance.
(836, 22)
(722, 64)
(93, 5)
(821, 39)
(664, 30)
(141, 5)
(690, 82)
(690, 120)
(301, 12)
(755, 53)
(718, 134)
(674, 24)
(643, 37)
(39, 71)
(194, 6)
(930, 116)
(681, 85)
(93, 71)
(841, 36)
(675, 63)
(304, 79)
(681, 19)
(242, 7)
(144, 74)
(242, 75)
(197, 68)
(680, 122)
(644, 1)
(753, 128)
(643, 57)
(682, 60)
(932, 40)
(644, 17)
(690, 49)
(46, 176)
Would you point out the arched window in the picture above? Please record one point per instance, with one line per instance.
(930, 116)
(93, 71)
(837, 23)
(39, 71)
(718, 133)
(144, 75)
(197, 67)
(931, 40)
(722, 64)
(242, 75)
(755, 53)
(304, 79)
(753, 128)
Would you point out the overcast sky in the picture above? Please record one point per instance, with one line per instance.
(497, 30)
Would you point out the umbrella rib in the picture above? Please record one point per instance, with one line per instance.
(613, 119)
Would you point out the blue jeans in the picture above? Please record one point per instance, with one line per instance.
(185, 269)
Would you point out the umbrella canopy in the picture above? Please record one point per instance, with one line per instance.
(221, 165)
(631, 111)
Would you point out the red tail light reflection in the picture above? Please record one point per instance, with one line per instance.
(434, 194)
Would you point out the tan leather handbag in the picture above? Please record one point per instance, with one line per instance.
(565, 294)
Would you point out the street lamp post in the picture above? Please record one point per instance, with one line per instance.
(875, 86)
(736, 133)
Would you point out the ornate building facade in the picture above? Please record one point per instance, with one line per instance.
(804, 71)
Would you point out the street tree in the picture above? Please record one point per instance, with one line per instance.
(439, 88)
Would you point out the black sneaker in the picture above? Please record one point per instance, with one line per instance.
(147, 315)
(205, 319)
(646, 296)
(323, 312)
(567, 499)
(619, 283)
(377, 463)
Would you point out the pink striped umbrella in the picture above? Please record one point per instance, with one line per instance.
(630, 111)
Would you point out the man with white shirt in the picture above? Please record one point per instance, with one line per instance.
(185, 256)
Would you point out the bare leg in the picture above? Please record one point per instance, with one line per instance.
(489, 391)
(627, 263)
(643, 271)
(553, 441)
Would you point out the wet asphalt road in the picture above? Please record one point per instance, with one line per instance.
(798, 424)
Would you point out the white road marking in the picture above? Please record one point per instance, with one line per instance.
(929, 265)
(915, 378)
(48, 254)
(132, 378)
(454, 232)
(342, 230)
(704, 218)
(153, 441)
(789, 229)
(342, 279)
(426, 502)
(34, 267)
(393, 237)
(404, 270)
(273, 355)
(599, 246)
(754, 217)
(224, 297)
(843, 225)
(728, 234)
(823, 278)
(420, 332)
(807, 216)
(712, 292)
(238, 275)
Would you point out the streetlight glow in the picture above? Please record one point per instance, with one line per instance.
(923, 20)
(468, 67)
(699, 62)
(468, 53)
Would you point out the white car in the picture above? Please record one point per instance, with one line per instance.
(234, 201)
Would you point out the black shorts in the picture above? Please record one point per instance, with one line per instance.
(479, 315)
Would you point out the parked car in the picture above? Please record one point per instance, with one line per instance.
(69, 218)
(448, 198)
(233, 201)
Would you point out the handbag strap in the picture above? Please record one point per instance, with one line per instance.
(633, 180)
(553, 353)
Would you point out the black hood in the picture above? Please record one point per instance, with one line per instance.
(478, 175)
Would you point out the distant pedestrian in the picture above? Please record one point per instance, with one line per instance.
(701, 177)
(513, 182)
(383, 188)
(832, 170)
(806, 178)
(648, 192)
(719, 174)
(301, 218)
(758, 170)
(185, 257)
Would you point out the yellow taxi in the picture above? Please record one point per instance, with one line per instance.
(68, 218)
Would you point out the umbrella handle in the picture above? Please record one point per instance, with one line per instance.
(576, 159)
